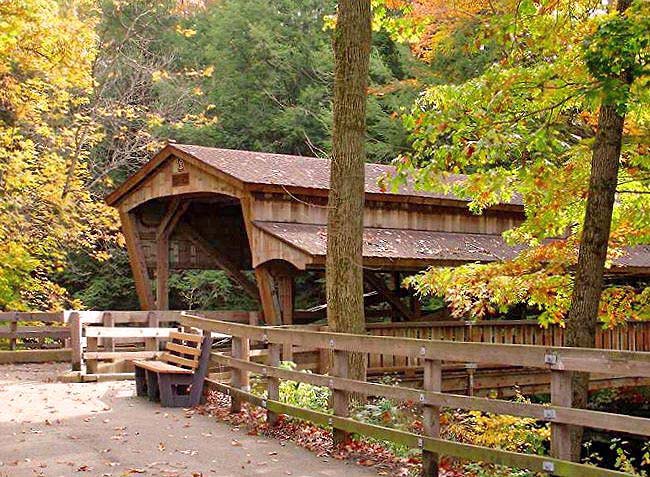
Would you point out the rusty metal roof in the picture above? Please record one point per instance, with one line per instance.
(297, 171)
(427, 246)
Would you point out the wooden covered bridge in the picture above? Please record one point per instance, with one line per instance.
(194, 207)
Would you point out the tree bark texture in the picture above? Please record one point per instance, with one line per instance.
(344, 273)
(582, 319)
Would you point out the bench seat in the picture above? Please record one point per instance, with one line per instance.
(162, 367)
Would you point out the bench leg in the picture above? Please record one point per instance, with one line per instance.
(153, 390)
(166, 391)
(140, 382)
(174, 390)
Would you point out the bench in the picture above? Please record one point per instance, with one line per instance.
(176, 378)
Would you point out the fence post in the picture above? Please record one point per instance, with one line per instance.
(239, 377)
(151, 344)
(273, 384)
(287, 352)
(13, 329)
(561, 395)
(340, 398)
(108, 321)
(75, 340)
(92, 344)
(471, 369)
(431, 415)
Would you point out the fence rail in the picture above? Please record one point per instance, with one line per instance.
(105, 343)
(632, 336)
(34, 337)
(558, 360)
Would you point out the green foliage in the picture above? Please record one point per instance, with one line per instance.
(499, 431)
(271, 81)
(304, 395)
(47, 49)
(236, 74)
(106, 285)
(623, 460)
(15, 272)
(207, 290)
(480, 469)
(621, 43)
(523, 130)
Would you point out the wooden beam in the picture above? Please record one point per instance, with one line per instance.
(172, 207)
(286, 293)
(219, 258)
(268, 296)
(175, 211)
(173, 215)
(378, 284)
(137, 260)
(162, 272)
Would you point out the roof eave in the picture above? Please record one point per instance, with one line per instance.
(114, 198)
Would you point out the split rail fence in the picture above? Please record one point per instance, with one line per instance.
(559, 361)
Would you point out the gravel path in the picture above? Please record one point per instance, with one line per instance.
(55, 429)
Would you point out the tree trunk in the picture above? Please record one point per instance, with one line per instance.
(582, 319)
(344, 273)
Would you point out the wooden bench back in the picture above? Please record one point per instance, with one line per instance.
(183, 349)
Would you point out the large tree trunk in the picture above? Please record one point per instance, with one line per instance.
(344, 273)
(582, 319)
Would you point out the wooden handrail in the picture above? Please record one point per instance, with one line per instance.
(535, 463)
(626, 363)
(556, 359)
(565, 415)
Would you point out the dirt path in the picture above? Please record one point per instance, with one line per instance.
(54, 429)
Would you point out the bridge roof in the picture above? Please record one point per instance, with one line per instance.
(287, 172)
(423, 247)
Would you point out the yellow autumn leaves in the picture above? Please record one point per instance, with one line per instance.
(46, 210)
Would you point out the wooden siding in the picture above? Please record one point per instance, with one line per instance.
(313, 210)
(195, 180)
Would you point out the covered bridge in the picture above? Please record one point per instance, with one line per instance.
(194, 207)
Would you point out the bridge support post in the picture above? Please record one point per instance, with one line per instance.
(431, 415)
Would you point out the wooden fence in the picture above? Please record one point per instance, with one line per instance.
(97, 342)
(492, 379)
(631, 336)
(105, 343)
(34, 337)
(559, 361)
